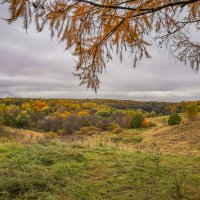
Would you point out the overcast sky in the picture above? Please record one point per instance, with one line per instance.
(31, 65)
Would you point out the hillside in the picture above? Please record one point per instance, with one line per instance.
(137, 166)
(181, 139)
(49, 169)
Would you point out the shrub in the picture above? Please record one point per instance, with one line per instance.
(145, 123)
(174, 119)
(137, 120)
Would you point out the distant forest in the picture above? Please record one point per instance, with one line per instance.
(67, 116)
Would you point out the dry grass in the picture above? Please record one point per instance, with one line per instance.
(181, 139)
(22, 135)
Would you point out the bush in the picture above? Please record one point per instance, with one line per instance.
(174, 119)
(137, 120)
(145, 123)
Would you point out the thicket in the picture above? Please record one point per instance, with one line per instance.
(174, 119)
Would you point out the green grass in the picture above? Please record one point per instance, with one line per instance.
(54, 171)
(128, 136)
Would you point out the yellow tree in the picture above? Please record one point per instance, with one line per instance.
(93, 29)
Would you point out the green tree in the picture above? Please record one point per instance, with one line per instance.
(137, 120)
(22, 120)
(191, 111)
(151, 114)
(174, 119)
(103, 113)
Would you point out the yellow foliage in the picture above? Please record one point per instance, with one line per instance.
(40, 105)
(26, 106)
(74, 107)
(65, 115)
(83, 113)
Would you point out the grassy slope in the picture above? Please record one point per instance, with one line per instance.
(98, 169)
(181, 139)
(63, 171)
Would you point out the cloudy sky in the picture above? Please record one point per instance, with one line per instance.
(31, 65)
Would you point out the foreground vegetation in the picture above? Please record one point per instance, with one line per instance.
(83, 150)
(63, 171)
(34, 166)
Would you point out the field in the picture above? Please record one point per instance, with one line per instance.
(154, 163)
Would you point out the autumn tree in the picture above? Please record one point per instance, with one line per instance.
(92, 30)
(10, 114)
(191, 111)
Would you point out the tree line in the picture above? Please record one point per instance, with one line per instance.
(66, 116)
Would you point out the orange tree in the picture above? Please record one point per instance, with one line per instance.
(92, 29)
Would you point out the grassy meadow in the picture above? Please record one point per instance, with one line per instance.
(98, 150)
(128, 165)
